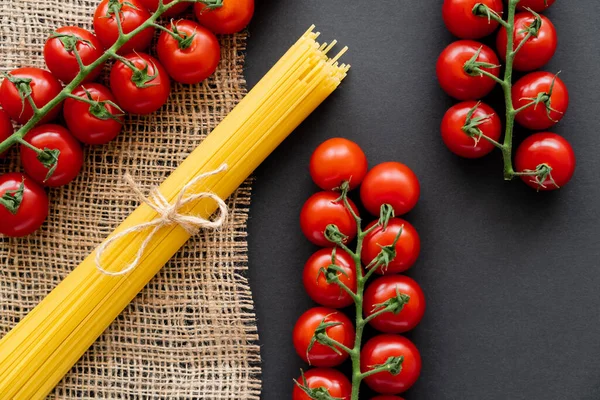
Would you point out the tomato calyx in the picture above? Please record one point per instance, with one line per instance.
(393, 365)
(12, 199)
(24, 88)
(385, 214)
(387, 253)
(534, 28)
(540, 175)
(318, 393)
(70, 41)
(471, 126)
(481, 10)
(334, 235)
(185, 40)
(99, 108)
(544, 98)
(474, 68)
(114, 8)
(211, 4)
(333, 272)
(394, 305)
(49, 158)
(320, 336)
(140, 77)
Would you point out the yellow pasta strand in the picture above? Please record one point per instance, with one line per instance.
(36, 354)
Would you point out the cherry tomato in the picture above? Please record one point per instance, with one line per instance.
(152, 6)
(323, 209)
(321, 355)
(484, 120)
(390, 183)
(23, 205)
(44, 88)
(6, 128)
(389, 287)
(543, 115)
(549, 149)
(460, 20)
(387, 398)
(337, 385)
(144, 90)
(462, 82)
(407, 247)
(231, 17)
(194, 57)
(315, 278)
(378, 350)
(535, 5)
(336, 161)
(132, 15)
(97, 123)
(537, 51)
(59, 53)
(52, 137)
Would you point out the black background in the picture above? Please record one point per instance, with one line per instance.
(511, 276)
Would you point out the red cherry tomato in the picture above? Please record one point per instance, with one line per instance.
(44, 88)
(540, 116)
(338, 160)
(59, 53)
(132, 15)
(456, 80)
(549, 149)
(144, 90)
(193, 58)
(388, 287)
(321, 355)
(23, 205)
(460, 20)
(535, 5)
(97, 123)
(390, 183)
(152, 6)
(458, 141)
(387, 398)
(337, 385)
(315, 278)
(323, 209)
(537, 51)
(52, 137)
(6, 128)
(378, 350)
(407, 247)
(231, 17)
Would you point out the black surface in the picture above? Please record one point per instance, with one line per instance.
(511, 276)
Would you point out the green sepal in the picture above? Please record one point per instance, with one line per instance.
(12, 199)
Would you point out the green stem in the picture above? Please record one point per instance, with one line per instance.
(84, 72)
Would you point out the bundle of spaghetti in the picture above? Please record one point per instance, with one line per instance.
(36, 354)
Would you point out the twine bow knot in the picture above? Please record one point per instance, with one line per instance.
(168, 214)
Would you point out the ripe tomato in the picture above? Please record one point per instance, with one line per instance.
(537, 51)
(321, 355)
(390, 183)
(535, 5)
(44, 88)
(23, 205)
(6, 128)
(144, 90)
(59, 53)
(132, 15)
(323, 209)
(377, 351)
(336, 161)
(97, 123)
(540, 116)
(407, 247)
(460, 81)
(334, 382)
(231, 17)
(315, 279)
(192, 58)
(387, 287)
(484, 120)
(152, 6)
(549, 149)
(52, 137)
(460, 20)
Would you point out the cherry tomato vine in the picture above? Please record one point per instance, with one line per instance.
(468, 70)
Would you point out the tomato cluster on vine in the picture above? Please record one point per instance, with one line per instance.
(335, 276)
(469, 70)
(51, 154)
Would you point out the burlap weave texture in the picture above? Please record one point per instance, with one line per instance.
(191, 334)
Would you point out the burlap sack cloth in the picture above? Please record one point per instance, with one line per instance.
(191, 334)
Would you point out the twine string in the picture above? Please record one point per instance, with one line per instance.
(168, 214)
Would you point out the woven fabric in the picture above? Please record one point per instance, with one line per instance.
(192, 332)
